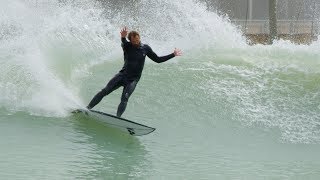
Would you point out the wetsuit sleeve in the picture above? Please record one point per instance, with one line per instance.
(124, 43)
(154, 57)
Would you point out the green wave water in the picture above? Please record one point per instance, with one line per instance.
(223, 110)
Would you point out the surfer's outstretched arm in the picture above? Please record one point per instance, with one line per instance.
(154, 57)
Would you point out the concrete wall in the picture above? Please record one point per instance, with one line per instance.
(297, 20)
(258, 9)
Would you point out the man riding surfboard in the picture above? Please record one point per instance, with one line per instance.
(134, 58)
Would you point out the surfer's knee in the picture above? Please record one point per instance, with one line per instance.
(125, 97)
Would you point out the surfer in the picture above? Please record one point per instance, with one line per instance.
(134, 58)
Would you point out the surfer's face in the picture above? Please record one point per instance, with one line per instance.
(135, 40)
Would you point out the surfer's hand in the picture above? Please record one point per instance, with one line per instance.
(177, 52)
(124, 32)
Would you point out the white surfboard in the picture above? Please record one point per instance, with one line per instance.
(125, 125)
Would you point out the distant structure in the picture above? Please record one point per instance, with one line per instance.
(296, 20)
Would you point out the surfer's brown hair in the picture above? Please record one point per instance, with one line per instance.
(133, 34)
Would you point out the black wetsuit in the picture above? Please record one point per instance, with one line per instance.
(129, 75)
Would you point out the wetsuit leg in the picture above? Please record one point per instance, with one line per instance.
(127, 91)
(112, 85)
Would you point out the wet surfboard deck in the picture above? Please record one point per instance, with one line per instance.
(133, 128)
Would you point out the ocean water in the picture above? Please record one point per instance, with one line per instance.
(223, 110)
